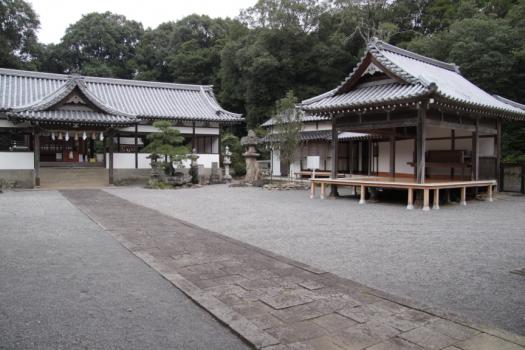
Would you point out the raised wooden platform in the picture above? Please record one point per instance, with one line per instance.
(403, 183)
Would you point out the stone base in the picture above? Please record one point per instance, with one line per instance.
(131, 176)
(20, 178)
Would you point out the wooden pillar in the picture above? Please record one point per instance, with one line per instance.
(351, 157)
(312, 190)
(475, 152)
(497, 147)
(489, 193)
(192, 136)
(110, 160)
(36, 154)
(421, 142)
(452, 147)
(436, 199)
(363, 195)
(426, 199)
(393, 154)
(335, 157)
(322, 190)
(136, 146)
(370, 155)
(410, 204)
(463, 196)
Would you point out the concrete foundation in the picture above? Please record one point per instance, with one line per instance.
(21, 178)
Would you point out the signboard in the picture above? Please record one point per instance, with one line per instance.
(312, 162)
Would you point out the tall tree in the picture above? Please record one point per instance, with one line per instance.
(186, 51)
(18, 42)
(102, 44)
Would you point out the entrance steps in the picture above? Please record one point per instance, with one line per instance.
(64, 178)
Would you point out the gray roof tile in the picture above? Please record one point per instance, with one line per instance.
(419, 75)
(24, 90)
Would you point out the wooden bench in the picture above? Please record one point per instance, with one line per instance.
(321, 173)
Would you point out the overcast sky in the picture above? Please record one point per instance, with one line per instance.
(57, 15)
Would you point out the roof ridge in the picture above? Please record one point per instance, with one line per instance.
(92, 79)
(381, 45)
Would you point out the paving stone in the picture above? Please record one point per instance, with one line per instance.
(296, 332)
(333, 322)
(321, 343)
(265, 321)
(408, 319)
(300, 312)
(484, 341)
(395, 344)
(428, 338)
(312, 285)
(362, 336)
(366, 312)
(452, 329)
(285, 299)
(256, 284)
(252, 308)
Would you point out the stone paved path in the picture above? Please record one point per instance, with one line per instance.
(274, 302)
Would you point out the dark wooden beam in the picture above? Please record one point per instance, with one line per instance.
(111, 143)
(36, 154)
(462, 126)
(452, 147)
(393, 154)
(497, 148)
(421, 142)
(385, 124)
(370, 156)
(136, 146)
(475, 152)
(335, 156)
(193, 136)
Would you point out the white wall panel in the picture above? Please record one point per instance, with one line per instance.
(16, 160)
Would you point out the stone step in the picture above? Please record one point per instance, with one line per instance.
(73, 177)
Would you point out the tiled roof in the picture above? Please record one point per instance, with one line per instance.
(306, 118)
(73, 116)
(418, 75)
(321, 135)
(24, 90)
(368, 94)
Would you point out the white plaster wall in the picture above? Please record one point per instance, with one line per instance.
(295, 167)
(276, 163)
(384, 157)
(127, 160)
(128, 140)
(16, 160)
(404, 154)
(182, 129)
(205, 160)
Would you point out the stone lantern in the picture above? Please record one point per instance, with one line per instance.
(253, 173)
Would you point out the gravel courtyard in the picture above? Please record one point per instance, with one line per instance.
(458, 259)
(66, 284)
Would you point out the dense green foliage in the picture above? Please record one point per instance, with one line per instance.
(279, 45)
(166, 145)
(287, 128)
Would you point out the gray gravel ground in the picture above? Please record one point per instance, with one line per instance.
(456, 258)
(66, 284)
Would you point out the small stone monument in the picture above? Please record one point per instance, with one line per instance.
(215, 177)
(227, 162)
(253, 173)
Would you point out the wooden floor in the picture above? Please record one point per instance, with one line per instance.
(364, 182)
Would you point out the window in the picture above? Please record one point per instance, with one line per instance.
(203, 144)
